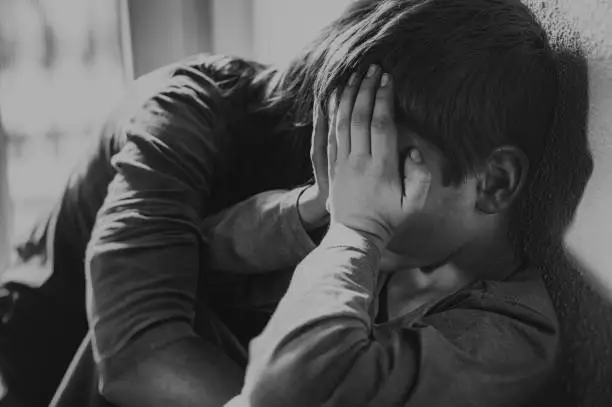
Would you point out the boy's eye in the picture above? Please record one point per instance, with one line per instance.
(403, 154)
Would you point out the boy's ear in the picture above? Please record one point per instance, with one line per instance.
(501, 179)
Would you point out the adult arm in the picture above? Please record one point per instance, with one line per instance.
(273, 230)
(263, 233)
(143, 259)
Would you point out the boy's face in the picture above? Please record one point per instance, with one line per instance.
(449, 219)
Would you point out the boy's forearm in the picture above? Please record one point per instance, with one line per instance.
(337, 280)
(321, 327)
(262, 233)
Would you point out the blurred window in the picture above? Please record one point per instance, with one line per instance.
(61, 70)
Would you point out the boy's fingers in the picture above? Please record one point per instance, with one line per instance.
(332, 146)
(417, 179)
(384, 131)
(362, 113)
(319, 137)
(343, 117)
(318, 151)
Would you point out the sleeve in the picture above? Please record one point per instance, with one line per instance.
(143, 257)
(321, 347)
(262, 233)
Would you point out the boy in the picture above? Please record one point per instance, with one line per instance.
(464, 321)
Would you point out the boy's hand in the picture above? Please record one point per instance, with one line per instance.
(312, 202)
(366, 192)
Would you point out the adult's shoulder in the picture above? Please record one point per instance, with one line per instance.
(213, 82)
(220, 68)
(205, 71)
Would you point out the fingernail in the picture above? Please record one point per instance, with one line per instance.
(353, 79)
(371, 71)
(415, 156)
(384, 81)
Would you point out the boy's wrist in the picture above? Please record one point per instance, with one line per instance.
(311, 210)
(345, 235)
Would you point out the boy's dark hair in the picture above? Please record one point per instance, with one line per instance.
(470, 75)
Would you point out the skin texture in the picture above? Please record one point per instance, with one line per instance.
(367, 192)
(447, 220)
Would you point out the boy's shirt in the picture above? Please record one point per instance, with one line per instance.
(493, 343)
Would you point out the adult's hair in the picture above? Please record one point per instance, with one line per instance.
(470, 75)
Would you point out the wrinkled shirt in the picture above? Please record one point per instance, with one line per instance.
(134, 224)
(149, 256)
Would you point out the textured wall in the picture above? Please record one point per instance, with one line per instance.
(591, 235)
(579, 267)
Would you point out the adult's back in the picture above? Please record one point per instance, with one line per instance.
(43, 308)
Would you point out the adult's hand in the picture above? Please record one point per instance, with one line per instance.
(367, 193)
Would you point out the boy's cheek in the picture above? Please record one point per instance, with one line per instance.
(427, 239)
(415, 239)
